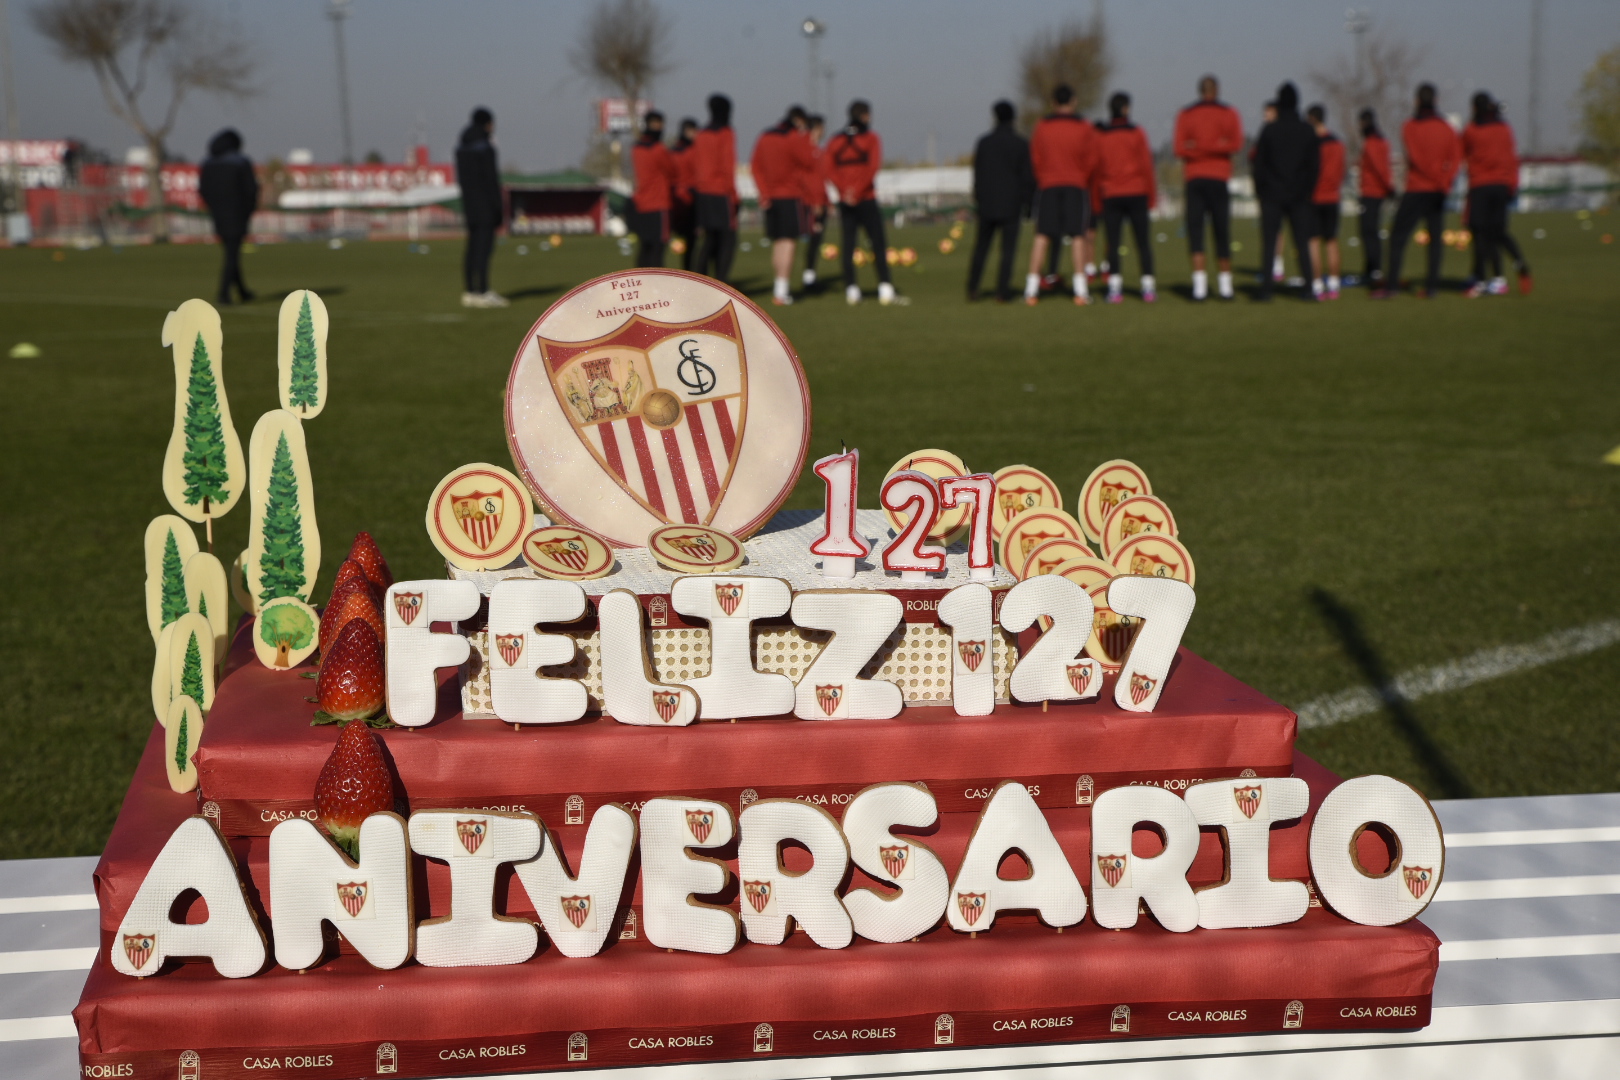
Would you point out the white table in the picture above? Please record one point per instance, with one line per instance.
(1529, 984)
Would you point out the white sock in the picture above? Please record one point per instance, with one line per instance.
(1277, 267)
(1091, 269)
(1225, 280)
(1333, 283)
(1200, 284)
(1032, 286)
(1149, 286)
(1316, 286)
(1080, 288)
(1115, 284)
(781, 288)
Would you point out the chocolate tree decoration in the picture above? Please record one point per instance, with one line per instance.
(301, 354)
(203, 470)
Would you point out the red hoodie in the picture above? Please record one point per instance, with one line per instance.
(1491, 156)
(1330, 171)
(655, 175)
(853, 159)
(1063, 151)
(1125, 163)
(1208, 133)
(1432, 153)
(685, 170)
(781, 158)
(714, 162)
(1376, 182)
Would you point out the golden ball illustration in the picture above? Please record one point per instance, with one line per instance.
(661, 409)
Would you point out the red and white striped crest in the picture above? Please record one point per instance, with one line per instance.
(666, 703)
(728, 596)
(472, 833)
(828, 697)
(1248, 799)
(1112, 868)
(578, 909)
(895, 858)
(352, 895)
(695, 546)
(972, 653)
(971, 905)
(479, 515)
(409, 606)
(758, 893)
(700, 823)
(1079, 675)
(1418, 879)
(1141, 687)
(510, 647)
(138, 947)
(568, 550)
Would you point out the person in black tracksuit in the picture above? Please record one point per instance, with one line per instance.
(479, 175)
(231, 191)
(1286, 159)
(1002, 184)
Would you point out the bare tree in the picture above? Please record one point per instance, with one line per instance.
(131, 43)
(1599, 99)
(1382, 77)
(623, 47)
(1074, 52)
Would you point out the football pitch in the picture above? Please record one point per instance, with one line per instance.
(1375, 494)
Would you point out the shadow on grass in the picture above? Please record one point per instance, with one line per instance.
(535, 291)
(1347, 628)
(279, 295)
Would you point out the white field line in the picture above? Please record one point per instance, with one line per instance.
(27, 1028)
(28, 905)
(1518, 948)
(18, 963)
(1599, 834)
(1528, 888)
(1481, 667)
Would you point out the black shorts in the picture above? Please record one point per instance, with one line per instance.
(1211, 198)
(715, 213)
(1327, 220)
(681, 220)
(784, 219)
(1062, 211)
(651, 226)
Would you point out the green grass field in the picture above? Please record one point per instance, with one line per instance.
(1365, 487)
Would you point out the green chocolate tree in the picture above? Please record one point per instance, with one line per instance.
(173, 597)
(181, 745)
(287, 627)
(281, 567)
(305, 392)
(191, 683)
(204, 457)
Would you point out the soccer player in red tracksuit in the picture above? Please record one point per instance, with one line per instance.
(781, 160)
(1433, 153)
(815, 198)
(1125, 175)
(853, 158)
(714, 180)
(1377, 185)
(1208, 133)
(682, 216)
(1063, 152)
(1325, 201)
(1493, 182)
(655, 183)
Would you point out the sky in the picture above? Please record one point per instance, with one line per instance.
(930, 69)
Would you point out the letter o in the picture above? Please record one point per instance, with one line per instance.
(1406, 888)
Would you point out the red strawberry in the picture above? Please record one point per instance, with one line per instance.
(354, 602)
(354, 784)
(352, 677)
(366, 552)
(349, 571)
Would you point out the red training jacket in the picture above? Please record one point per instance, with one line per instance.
(1433, 153)
(853, 160)
(1330, 173)
(1376, 181)
(1491, 156)
(714, 162)
(1064, 151)
(1125, 162)
(781, 158)
(655, 175)
(1208, 133)
(815, 180)
(685, 170)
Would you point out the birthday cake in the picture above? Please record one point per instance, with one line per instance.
(659, 772)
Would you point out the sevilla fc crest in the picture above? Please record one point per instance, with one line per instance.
(1079, 675)
(828, 698)
(568, 550)
(1248, 799)
(895, 857)
(1418, 879)
(972, 905)
(408, 605)
(972, 654)
(578, 910)
(138, 947)
(729, 595)
(352, 895)
(472, 834)
(758, 894)
(1141, 687)
(666, 703)
(694, 546)
(1112, 869)
(700, 823)
(510, 646)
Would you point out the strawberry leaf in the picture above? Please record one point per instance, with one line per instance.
(322, 717)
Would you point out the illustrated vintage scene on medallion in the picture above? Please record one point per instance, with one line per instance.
(727, 636)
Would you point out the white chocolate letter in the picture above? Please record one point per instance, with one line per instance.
(1166, 604)
(415, 653)
(670, 875)
(1011, 821)
(1245, 810)
(518, 651)
(474, 844)
(578, 912)
(1054, 670)
(629, 694)
(966, 610)
(913, 868)
(369, 902)
(861, 620)
(771, 895)
(1119, 878)
(731, 603)
(1403, 890)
